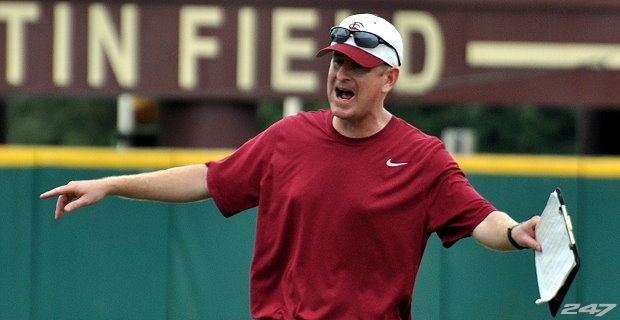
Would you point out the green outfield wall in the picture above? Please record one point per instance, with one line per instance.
(125, 259)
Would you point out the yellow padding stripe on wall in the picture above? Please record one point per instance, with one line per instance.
(553, 166)
(109, 158)
(104, 158)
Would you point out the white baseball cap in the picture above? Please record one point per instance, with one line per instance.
(355, 36)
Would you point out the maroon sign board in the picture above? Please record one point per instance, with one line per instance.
(507, 52)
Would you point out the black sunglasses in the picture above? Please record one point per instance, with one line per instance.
(363, 39)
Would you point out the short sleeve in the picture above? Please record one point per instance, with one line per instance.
(234, 182)
(454, 206)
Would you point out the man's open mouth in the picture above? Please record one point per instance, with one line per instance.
(344, 93)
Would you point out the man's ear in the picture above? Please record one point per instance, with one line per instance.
(391, 78)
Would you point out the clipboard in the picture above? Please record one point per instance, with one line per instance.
(557, 267)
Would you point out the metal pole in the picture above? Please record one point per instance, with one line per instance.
(125, 120)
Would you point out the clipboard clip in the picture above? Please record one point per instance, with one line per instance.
(567, 219)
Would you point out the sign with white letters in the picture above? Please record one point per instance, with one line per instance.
(224, 50)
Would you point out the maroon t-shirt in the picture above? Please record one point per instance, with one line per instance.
(342, 223)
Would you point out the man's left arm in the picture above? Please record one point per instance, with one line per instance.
(493, 232)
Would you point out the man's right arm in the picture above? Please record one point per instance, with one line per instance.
(179, 184)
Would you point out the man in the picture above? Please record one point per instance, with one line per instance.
(347, 197)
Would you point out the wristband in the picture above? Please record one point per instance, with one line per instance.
(512, 241)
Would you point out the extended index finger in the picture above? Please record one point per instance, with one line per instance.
(55, 192)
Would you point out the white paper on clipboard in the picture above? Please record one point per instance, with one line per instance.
(558, 258)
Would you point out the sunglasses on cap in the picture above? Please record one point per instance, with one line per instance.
(362, 39)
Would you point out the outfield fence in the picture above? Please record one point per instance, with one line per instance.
(127, 259)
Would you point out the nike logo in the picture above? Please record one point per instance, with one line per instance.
(389, 163)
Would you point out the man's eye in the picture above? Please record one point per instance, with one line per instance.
(359, 69)
(338, 62)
